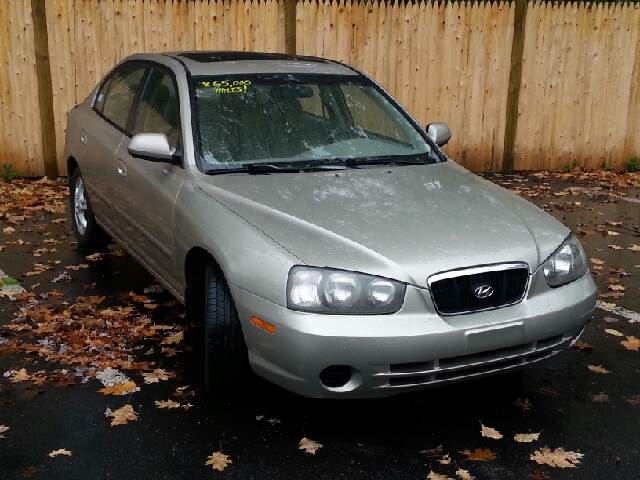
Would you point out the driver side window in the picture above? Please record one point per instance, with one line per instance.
(158, 107)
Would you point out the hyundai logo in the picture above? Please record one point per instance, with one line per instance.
(483, 291)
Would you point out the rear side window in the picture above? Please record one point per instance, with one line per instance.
(158, 107)
(118, 93)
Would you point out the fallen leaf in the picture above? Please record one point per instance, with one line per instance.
(95, 257)
(173, 339)
(437, 476)
(634, 400)
(309, 446)
(631, 343)
(445, 459)
(3, 429)
(559, 457)
(8, 230)
(489, 432)
(61, 451)
(464, 474)
(612, 233)
(634, 248)
(598, 369)
(169, 404)
(121, 416)
(523, 403)
(584, 346)
(155, 376)
(600, 397)
(526, 437)
(139, 298)
(615, 247)
(20, 376)
(124, 388)
(614, 332)
(597, 261)
(218, 461)
(616, 288)
(479, 454)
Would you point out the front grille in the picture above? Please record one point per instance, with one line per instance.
(455, 294)
(447, 369)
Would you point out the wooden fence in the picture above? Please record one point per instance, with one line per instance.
(578, 100)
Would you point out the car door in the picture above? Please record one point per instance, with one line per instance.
(103, 133)
(147, 190)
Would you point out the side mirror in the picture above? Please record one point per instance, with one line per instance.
(153, 147)
(439, 133)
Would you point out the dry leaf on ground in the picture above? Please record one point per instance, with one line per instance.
(634, 248)
(479, 454)
(597, 369)
(559, 457)
(523, 403)
(309, 446)
(464, 474)
(584, 346)
(489, 432)
(437, 476)
(634, 400)
(121, 416)
(526, 437)
(59, 452)
(124, 388)
(173, 339)
(631, 343)
(600, 397)
(20, 376)
(155, 376)
(167, 404)
(218, 461)
(614, 332)
(3, 429)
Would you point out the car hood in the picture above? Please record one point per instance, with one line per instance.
(403, 222)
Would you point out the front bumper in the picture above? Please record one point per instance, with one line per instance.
(414, 348)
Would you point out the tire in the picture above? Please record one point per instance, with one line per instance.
(83, 221)
(225, 351)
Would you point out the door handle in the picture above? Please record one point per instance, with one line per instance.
(122, 170)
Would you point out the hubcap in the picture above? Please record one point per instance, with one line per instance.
(80, 207)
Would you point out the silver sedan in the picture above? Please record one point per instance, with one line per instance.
(315, 232)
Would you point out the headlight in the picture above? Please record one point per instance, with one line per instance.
(568, 263)
(322, 290)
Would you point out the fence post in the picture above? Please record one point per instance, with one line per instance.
(515, 79)
(290, 12)
(45, 89)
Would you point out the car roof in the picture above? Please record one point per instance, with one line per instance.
(234, 63)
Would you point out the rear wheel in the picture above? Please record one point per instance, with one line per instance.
(225, 351)
(84, 224)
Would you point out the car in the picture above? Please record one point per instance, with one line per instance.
(314, 230)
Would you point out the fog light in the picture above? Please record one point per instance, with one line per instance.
(336, 376)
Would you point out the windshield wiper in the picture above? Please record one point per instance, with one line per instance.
(389, 160)
(267, 168)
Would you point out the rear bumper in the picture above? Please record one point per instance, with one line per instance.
(414, 348)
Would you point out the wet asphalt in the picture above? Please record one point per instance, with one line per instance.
(395, 438)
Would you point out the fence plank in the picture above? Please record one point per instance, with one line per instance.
(445, 61)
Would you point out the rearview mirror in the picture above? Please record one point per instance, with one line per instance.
(153, 147)
(439, 133)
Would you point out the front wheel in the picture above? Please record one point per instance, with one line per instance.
(85, 227)
(224, 347)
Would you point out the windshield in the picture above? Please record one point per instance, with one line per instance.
(300, 118)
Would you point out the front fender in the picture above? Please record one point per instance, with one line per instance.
(249, 259)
